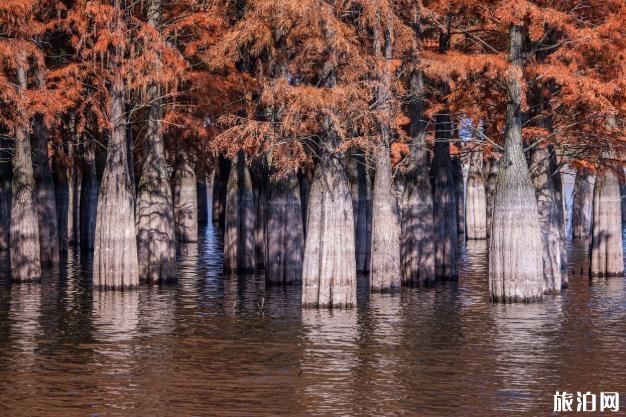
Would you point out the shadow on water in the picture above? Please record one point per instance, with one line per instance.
(230, 345)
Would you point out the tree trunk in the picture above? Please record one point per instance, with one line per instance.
(5, 195)
(622, 189)
(548, 219)
(558, 196)
(220, 180)
(444, 201)
(24, 229)
(305, 176)
(203, 208)
(459, 193)
(285, 240)
(476, 203)
(329, 269)
(515, 247)
(185, 200)
(417, 240)
(240, 220)
(115, 263)
(260, 188)
(606, 253)
(385, 272)
(490, 172)
(45, 195)
(89, 191)
(581, 205)
(361, 187)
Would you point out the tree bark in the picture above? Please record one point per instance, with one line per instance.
(515, 247)
(185, 199)
(385, 272)
(305, 176)
(476, 203)
(5, 195)
(558, 196)
(220, 180)
(606, 252)
(240, 219)
(329, 269)
(490, 172)
(24, 230)
(581, 205)
(45, 195)
(444, 201)
(156, 240)
(260, 188)
(459, 193)
(361, 187)
(548, 219)
(89, 191)
(285, 237)
(115, 263)
(417, 239)
(203, 208)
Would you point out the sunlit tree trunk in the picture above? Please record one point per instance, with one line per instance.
(24, 228)
(581, 205)
(606, 253)
(115, 262)
(156, 240)
(185, 199)
(558, 196)
(548, 219)
(385, 272)
(285, 232)
(515, 247)
(329, 268)
(240, 220)
(476, 202)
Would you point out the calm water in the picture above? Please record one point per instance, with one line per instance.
(216, 345)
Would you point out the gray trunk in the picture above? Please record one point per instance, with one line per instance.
(305, 187)
(115, 263)
(185, 199)
(548, 219)
(24, 229)
(285, 237)
(329, 269)
(581, 205)
(459, 193)
(240, 220)
(361, 187)
(385, 259)
(45, 195)
(417, 246)
(476, 203)
(490, 172)
(515, 247)
(558, 196)
(89, 191)
(606, 253)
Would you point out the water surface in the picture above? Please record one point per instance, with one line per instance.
(232, 346)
